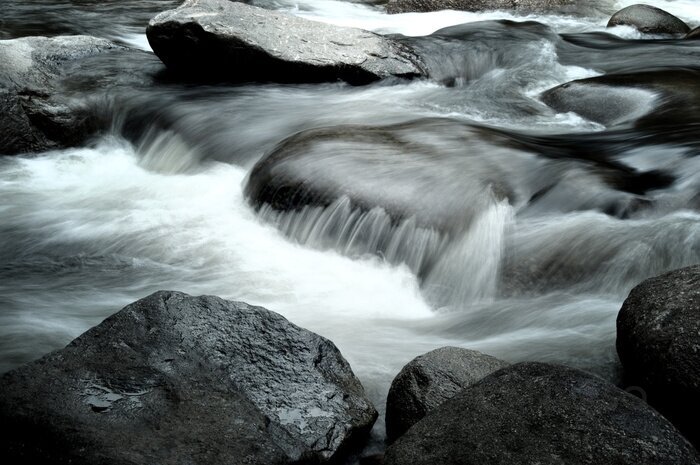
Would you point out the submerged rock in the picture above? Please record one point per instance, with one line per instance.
(546, 414)
(178, 379)
(44, 84)
(646, 99)
(429, 380)
(649, 19)
(658, 341)
(232, 40)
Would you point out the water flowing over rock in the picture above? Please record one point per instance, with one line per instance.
(231, 40)
(539, 413)
(658, 341)
(649, 19)
(30, 119)
(44, 82)
(647, 99)
(178, 379)
(429, 380)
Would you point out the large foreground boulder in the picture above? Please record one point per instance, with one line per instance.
(658, 341)
(429, 380)
(649, 19)
(45, 84)
(235, 41)
(175, 379)
(546, 414)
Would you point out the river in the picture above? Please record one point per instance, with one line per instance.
(85, 231)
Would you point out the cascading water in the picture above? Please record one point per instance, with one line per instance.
(521, 245)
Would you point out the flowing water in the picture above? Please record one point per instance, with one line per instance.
(537, 273)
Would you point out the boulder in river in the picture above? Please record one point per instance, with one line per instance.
(429, 380)
(658, 341)
(649, 19)
(178, 379)
(45, 82)
(547, 414)
(644, 99)
(694, 34)
(221, 39)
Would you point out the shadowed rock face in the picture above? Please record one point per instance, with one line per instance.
(547, 414)
(45, 83)
(646, 99)
(647, 18)
(429, 380)
(658, 341)
(176, 379)
(31, 119)
(235, 41)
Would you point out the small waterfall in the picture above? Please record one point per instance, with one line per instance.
(469, 269)
(455, 268)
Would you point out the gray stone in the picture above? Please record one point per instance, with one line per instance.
(45, 84)
(649, 19)
(175, 379)
(658, 341)
(429, 380)
(694, 34)
(534, 413)
(643, 99)
(231, 40)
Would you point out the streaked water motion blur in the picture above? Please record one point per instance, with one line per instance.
(459, 211)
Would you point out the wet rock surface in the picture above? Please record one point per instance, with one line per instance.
(649, 19)
(45, 84)
(658, 341)
(645, 99)
(429, 380)
(239, 42)
(540, 413)
(178, 379)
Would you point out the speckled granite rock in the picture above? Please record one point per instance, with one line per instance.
(175, 379)
(232, 40)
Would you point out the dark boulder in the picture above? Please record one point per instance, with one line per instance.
(429, 380)
(545, 414)
(658, 341)
(694, 34)
(649, 19)
(175, 379)
(235, 41)
(523, 6)
(646, 99)
(45, 85)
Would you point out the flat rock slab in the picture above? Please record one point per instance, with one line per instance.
(232, 40)
(428, 380)
(658, 340)
(649, 19)
(535, 413)
(175, 379)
